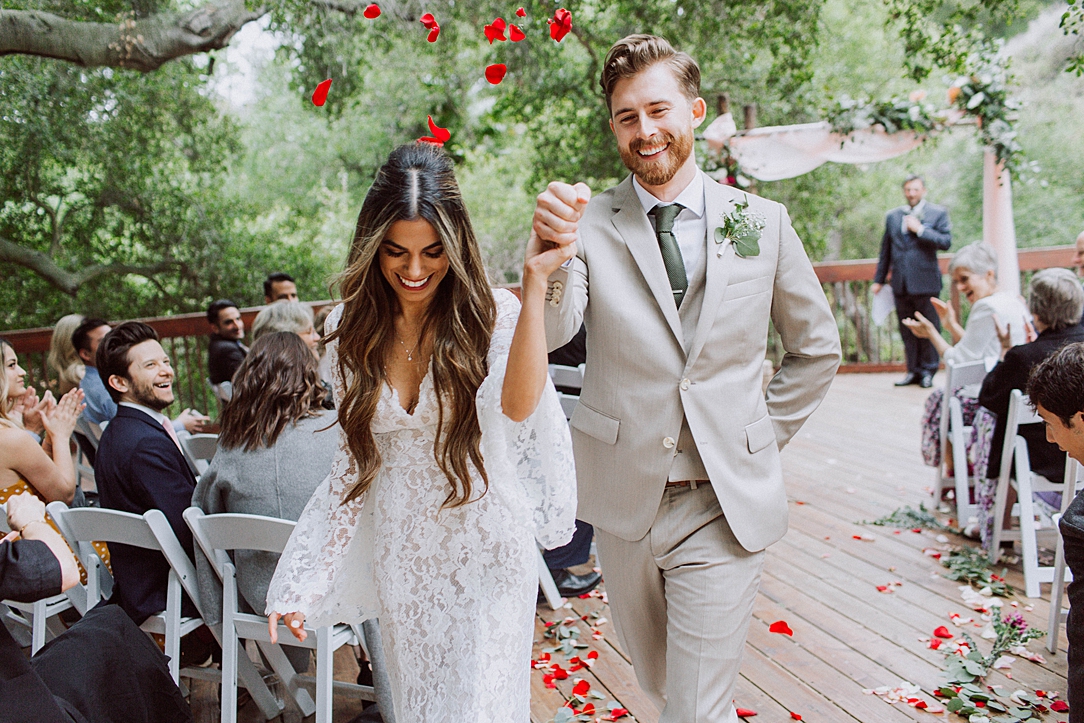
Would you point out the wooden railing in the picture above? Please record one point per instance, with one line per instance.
(866, 346)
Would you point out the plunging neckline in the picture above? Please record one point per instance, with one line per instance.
(395, 401)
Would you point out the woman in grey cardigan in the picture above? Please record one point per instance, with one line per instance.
(276, 446)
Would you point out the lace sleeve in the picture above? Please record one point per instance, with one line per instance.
(325, 571)
(529, 463)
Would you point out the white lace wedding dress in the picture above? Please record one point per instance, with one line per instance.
(454, 589)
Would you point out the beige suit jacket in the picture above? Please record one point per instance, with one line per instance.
(639, 382)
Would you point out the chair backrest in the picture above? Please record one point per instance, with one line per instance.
(235, 531)
(198, 450)
(91, 431)
(93, 524)
(958, 375)
(223, 391)
(1020, 412)
(565, 376)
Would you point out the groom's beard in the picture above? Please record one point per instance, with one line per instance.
(655, 173)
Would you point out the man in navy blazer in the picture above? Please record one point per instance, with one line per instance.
(140, 465)
(913, 235)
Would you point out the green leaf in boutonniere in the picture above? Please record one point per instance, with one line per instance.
(743, 228)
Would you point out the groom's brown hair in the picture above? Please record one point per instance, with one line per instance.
(637, 53)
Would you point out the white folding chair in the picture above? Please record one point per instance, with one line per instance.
(1074, 475)
(223, 392)
(199, 449)
(90, 430)
(219, 534)
(38, 616)
(566, 376)
(953, 430)
(1014, 457)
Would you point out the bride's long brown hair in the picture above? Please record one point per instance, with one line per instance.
(416, 182)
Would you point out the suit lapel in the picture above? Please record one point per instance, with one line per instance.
(635, 230)
(718, 200)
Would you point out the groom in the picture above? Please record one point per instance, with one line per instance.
(677, 449)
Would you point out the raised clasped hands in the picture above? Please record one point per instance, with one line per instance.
(59, 422)
(920, 326)
(294, 621)
(555, 227)
(945, 311)
(29, 410)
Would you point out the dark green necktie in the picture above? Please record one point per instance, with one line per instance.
(671, 254)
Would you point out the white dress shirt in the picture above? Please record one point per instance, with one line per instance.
(690, 227)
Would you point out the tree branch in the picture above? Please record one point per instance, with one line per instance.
(67, 281)
(137, 44)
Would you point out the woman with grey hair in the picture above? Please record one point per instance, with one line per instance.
(1057, 303)
(974, 272)
(290, 316)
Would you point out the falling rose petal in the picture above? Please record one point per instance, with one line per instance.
(581, 688)
(521, 12)
(1059, 706)
(560, 24)
(495, 30)
(495, 73)
(746, 713)
(433, 34)
(781, 627)
(515, 34)
(441, 134)
(319, 96)
(372, 11)
(428, 20)
(942, 632)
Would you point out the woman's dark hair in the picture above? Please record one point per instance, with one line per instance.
(277, 384)
(1057, 383)
(416, 182)
(112, 357)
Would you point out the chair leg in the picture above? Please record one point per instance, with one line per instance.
(1028, 543)
(381, 680)
(230, 648)
(1001, 498)
(37, 627)
(1057, 591)
(173, 626)
(288, 676)
(549, 587)
(325, 678)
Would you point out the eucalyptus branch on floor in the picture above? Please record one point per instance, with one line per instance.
(908, 518)
(971, 565)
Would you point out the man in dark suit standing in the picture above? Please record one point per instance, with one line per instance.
(140, 465)
(226, 352)
(913, 235)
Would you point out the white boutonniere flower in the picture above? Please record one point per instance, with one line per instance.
(743, 228)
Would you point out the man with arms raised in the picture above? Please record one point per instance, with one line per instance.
(677, 449)
(1056, 388)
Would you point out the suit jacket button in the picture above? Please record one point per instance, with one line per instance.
(684, 385)
(668, 442)
(557, 286)
(555, 301)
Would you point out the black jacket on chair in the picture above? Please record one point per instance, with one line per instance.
(913, 258)
(139, 468)
(1012, 373)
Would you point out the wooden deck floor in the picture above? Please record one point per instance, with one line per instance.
(856, 459)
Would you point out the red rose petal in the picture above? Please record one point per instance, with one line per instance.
(433, 34)
(942, 632)
(588, 709)
(617, 713)
(319, 96)
(935, 644)
(592, 655)
(521, 12)
(581, 688)
(495, 73)
(428, 21)
(441, 134)
(560, 24)
(781, 627)
(795, 716)
(495, 30)
(1059, 706)
(515, 34)
(746, 713)
(372, 11)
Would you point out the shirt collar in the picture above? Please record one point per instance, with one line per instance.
(917, 209)
(691, 197)
(156, 416)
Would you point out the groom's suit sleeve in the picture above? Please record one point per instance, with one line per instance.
(807, 328)
(566, 299)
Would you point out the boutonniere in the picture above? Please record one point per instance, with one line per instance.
(743, 228)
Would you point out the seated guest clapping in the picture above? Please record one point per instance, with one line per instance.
(276, 446)
(1056, 301)
(102, 669)
(46, 469)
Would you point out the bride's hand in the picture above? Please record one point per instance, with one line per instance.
(294, 621)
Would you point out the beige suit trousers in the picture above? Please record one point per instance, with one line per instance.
(681, 599)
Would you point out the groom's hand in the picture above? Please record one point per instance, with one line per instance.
(555, 226)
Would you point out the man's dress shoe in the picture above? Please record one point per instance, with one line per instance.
(570, 585)
(926, 381)
(908, 378)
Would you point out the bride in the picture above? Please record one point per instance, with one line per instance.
(454, 459)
